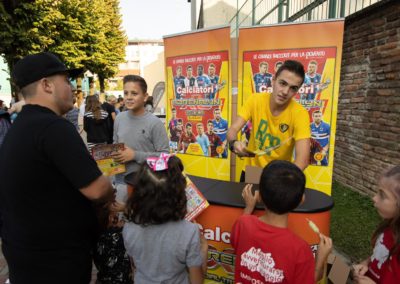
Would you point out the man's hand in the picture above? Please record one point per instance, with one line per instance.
(240, 149)
(250, 199)
(124, 156)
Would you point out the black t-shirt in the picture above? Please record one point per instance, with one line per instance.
(43, 164)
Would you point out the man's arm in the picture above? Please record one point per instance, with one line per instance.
(239, 147)
(235, 128)
(99, 190)
(302, 150)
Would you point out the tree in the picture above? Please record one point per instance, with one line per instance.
(82, 33)
(108, 49)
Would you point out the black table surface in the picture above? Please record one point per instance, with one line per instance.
(227, 193)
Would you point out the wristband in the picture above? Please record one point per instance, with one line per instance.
(231, 145)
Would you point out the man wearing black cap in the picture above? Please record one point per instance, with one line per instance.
(49, 181)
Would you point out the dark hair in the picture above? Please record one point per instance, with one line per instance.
(293, 66)
(282, 186)
(136, 79)
(149, 101)
(317, 111)
(93, 104)
(104, 215)
(159, 196)
(394, 175)
(188, 124)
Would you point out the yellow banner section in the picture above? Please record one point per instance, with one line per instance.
(318, 46)
(198, 89)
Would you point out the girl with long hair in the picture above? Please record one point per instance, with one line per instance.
(164, 247)
(95, 123)
(384, 264)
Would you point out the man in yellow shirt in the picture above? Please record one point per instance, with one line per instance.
(280, 124)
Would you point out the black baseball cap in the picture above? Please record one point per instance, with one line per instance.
(34, 67)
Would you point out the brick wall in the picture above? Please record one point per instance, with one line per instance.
(368, 123)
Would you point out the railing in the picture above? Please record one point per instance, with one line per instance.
(263, 12)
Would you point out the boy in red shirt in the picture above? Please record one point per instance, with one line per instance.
(266, 250)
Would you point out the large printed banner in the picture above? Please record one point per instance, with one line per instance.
(198, 105)
(318, 46)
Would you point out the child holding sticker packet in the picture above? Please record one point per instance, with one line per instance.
(164, 247)
(266, 250)
(384, 264)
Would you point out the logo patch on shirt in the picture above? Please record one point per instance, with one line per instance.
(283, 127)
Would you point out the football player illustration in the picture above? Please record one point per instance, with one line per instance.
(262, 80)
(190, 80)
(320, 132)
(179, 81)
(313, 79)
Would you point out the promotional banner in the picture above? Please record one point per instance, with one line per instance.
(198, 104)
(318, 46)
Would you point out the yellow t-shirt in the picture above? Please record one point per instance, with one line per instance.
(276, 135)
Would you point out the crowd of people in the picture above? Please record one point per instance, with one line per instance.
(59, 213)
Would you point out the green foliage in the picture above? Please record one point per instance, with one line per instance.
(83, 33)
(109, 49)
(353, 221)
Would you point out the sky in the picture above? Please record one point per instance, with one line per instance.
(152, 19)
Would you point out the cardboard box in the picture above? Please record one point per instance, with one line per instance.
(253, 174)
(338, 270)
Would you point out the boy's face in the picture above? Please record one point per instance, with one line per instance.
(285, 87)
(134, 96)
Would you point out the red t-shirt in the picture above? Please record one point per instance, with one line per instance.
(268, 254)
(381, 269)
